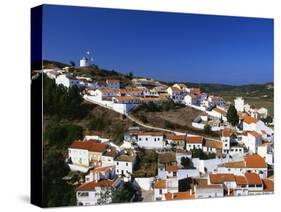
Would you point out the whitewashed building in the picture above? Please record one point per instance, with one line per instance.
(151, 140)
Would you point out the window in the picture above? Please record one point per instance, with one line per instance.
(160, 191)
(155, 139)
(174, 174)
(117, 170)
(117, 163)
(139, 139)
(126, 164)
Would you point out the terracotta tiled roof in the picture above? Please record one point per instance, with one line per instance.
(221, 178)
(226, 132)
(89, 186)
(249, 120)
(241, 180)
(110, 152)
(175, 89)
(179, 196)
(255, 161)
(88, 145)
(172, 168)
(235, 164)
(102, 169)
(253, 179)
(160, 184)
(268, 185)
(167, 157)
(195, 139)
(177, 137)
(213, 144)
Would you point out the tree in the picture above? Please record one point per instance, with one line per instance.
(232, 116)
(72, 63)
(56, 192)
(130, 75)
(186, 163)
(105, 196)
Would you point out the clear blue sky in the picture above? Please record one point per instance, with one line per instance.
(165, 46)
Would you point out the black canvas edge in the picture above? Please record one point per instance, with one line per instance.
(36, 189)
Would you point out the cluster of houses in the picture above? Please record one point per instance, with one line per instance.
(239, 163)
(237, 167)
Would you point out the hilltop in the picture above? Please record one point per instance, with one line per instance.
(257, 95)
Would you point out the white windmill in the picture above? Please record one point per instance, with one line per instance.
(86, 60)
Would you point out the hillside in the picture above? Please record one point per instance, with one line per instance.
(257, 95)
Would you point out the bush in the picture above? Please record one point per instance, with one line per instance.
(62, 136)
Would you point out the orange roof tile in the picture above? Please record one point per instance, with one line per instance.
(160, 184)
(221, 178)
(172, 168)
(268, 185)
(89, 186)
(249, 119)
(253, 179)
(89, 145)
(195, 139)
(235, 164)
(255, 161)
(179, 196)
(241, 180)
(226, 132)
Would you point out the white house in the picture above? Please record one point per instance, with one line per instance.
(218, 113)
(227, 180)
(92, 193)
(151, 140)
(265, 151)
(249, 123)
(225, 138)
(176, 94)
(251, 163)
(107, 158)
(263, 112)
(99, 173)
(239, 104)
(67, 80)
(126, 100)
(112, 83)
(192, 99)
(124, 163)
(105, 93)
(208, 191)
(86, 153)
(216, 101)
(251, 139)
(194, 142)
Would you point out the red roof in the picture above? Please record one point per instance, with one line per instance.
(268, 185)
(179, 195)
(255, 161)
(90, 145)
(221, 178)
(249, 120)
(172, 168)
(89, 186)
(253, 179)
(195, 139)
(226, 132)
